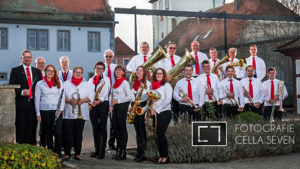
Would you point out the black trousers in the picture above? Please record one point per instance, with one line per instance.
(249, 107)
(267, 113)
(112, 134)
(141, 139)
(58, 135)
(189, 112)
(98, 116)
(119, 124)
(216, 107)
(72, 129)
(26, 122)
(47, 119)
(230, 110)
(175, 109)
(163, 121)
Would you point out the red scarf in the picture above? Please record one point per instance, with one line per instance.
(76, 81)
(96, 80)
(118, 82)
(156, 85)
(49, 83)
(136, 84)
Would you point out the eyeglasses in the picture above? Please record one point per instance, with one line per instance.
(41, 63)
(99, 68)
(27, 57)
(108, 56)
(51, 71)
(77, 72)
(159, 73)
(172, 48)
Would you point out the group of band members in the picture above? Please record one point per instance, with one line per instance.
(58, 98)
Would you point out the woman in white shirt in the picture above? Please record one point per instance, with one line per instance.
(73, 124)
(162, 108)
(120, 99)
(139, 121)
(49, 103)
(99, 111)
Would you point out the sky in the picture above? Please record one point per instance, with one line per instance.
(125, 28)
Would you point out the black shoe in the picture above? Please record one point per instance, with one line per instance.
(167, 161)
(141, 158)
(112, 147)
(66, 157)
(77, 158)
(122, 155)
(94, 154)
(101, 156)
(137, 156)
(117, 155)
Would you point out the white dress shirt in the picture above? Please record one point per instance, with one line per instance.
(103, 96)
(260, 66)
(164, 103)
(61, 75)
(257, 89)
(183, 85)
(239, 72)
(144, 95)
(267, 92)
(201, 58)
(202, 81)
(166, 63)
(122, 94)
(237, 90)
(112, 69)
(136, 61)
(85, 90)
(47, 98)
(24, 66)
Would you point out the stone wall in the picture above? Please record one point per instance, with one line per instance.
(7, 113)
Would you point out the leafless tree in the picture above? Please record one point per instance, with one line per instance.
(293, 5)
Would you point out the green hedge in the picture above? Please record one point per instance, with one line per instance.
(181, 150)
(27, 156)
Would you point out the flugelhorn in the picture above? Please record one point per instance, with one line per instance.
(182, 94)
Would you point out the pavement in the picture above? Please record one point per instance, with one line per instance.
(289, 161)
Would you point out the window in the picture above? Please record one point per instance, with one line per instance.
(63, 40)
(37, 39)
(3, 38)
(125, 61)
(167, 4)
(115, 61)
(3, 76)
(94, 41)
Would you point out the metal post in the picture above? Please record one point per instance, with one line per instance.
(225, 33)
(135, 32)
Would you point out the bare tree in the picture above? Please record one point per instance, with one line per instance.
(293, 5)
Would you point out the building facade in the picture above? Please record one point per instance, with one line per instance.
(54, 30)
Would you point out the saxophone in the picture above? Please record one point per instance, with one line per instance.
(151, 121)
(135, 109)
(98, 91)
(79, 115)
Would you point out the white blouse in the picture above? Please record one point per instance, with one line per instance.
(103, 96)
(85, 89)
(47, 98)
(144, 95)
(164, 103)
(122, 94)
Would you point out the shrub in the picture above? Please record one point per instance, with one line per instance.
(248, 117)
(27, 156)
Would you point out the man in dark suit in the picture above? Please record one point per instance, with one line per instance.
(26, 76)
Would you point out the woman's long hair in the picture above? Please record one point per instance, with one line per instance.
(144, 81)
(165, 76)
(56, 79)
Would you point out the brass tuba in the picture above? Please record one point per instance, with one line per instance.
(135, 109)
(223, 60)
(98, 91)
(79, 114)
(242, 63)
(158, 55)
(175, 72)
(151, 121)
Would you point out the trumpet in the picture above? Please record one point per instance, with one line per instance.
(212, 96)
(77, 110)
(182, 94)
(280, 90)
(248, 97)
(232, 100)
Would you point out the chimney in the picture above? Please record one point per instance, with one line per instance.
(237, 4)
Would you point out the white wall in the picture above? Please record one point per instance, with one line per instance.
(79, 55)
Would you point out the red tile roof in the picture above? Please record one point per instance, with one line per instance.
(58, 9)
(121, 48)
(186, 31)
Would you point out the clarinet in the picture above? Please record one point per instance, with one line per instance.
(58, 106)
